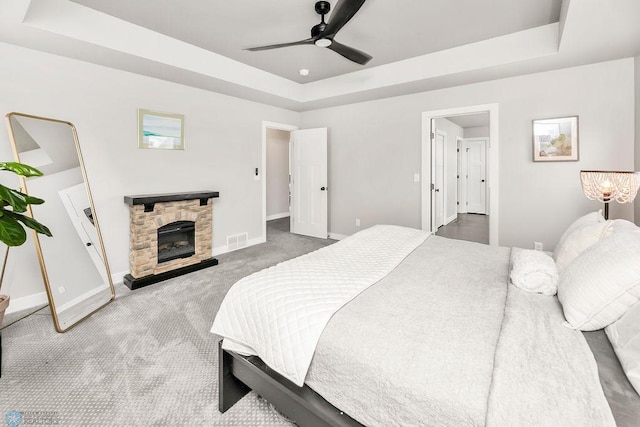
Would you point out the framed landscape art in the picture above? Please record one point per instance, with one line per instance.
(555, 140)
(162, 131)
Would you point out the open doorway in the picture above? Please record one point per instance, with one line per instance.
(276, 171)
(305, 185)
(278, 178)
(460, 170)
(464, 184)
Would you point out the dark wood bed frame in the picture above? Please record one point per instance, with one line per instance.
(237, 375)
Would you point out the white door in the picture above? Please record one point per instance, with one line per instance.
(462, 177)
(76, 203)
(437, 199)
(477, 176)
(309, 182)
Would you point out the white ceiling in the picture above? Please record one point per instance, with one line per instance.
(471, 120)
(416, 45)
(390, 31)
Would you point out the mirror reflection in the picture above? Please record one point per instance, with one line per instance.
(73, 261)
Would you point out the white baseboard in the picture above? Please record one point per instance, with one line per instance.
(81, 298)
(451, 218)
(336, 236)
(277, 216)
(117, 278)
(25, 303)
(225, 249)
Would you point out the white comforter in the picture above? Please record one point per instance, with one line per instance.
(441, 339)
(279, 313)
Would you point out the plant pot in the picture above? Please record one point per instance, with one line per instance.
(4, 303)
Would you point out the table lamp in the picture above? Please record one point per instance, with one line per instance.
(606, 186)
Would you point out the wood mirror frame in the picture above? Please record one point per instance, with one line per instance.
(73, 262)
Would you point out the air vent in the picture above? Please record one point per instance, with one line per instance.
(237, 241)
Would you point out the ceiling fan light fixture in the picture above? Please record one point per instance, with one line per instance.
(323, 42)
(323, 34)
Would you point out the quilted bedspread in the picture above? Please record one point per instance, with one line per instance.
(279, 313)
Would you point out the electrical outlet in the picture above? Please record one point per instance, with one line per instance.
(357, 222)
(537, 246)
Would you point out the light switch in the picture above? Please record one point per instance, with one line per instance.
(416, 177)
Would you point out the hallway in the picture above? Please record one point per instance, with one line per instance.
(471, 227)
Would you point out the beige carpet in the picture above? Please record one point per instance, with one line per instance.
(146, 359)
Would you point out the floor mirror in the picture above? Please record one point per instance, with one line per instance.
(73, 262)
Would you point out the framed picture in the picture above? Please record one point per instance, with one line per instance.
(162, 131)
(555, 140)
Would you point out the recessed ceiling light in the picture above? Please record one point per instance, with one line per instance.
(303, 72)
(323, 42)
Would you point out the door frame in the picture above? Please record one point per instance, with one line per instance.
(263, 175)
(492, 163)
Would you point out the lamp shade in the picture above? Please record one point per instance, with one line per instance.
(606, 186)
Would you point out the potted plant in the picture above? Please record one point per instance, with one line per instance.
(13, 204)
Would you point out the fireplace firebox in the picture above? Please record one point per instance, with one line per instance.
(176, 240)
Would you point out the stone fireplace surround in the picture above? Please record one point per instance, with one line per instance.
(150, 212)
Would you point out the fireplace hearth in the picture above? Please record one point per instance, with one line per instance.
(170, 235)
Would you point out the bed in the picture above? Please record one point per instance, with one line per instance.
(394, 326)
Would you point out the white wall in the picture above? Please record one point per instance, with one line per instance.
(277, 173)
(453, 132)
(223, 145)
(375, 149)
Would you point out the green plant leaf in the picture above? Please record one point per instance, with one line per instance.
(15, 198)
(29, 222)
(20, 169)
(11, 232)
(33, 200)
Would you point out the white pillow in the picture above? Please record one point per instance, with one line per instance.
(625, 338)
(577, 241)
(588, 219)
(622, 226)
(599, 286)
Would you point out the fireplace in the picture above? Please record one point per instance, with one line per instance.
(170, 235)
(176, 240)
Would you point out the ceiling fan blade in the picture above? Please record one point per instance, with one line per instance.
(350, 53)
(341, 15)
(276, 46)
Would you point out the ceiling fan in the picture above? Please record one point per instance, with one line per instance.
(323, 34)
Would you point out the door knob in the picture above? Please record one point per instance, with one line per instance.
(437, 190)
(322, 188)
(482, 180)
